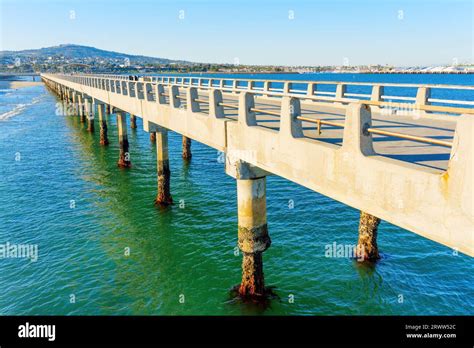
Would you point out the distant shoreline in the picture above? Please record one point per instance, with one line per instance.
(23, 84)
(323, 72)
(11, 76)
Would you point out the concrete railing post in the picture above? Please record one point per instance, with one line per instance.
(377, 93)
(103, 124)
(163, 196)
(191, 96)
(216, 110)
(234, 86)
(250, 85)
(124, 156)
(287, 87)
(175, 102)
(266, 87)
(356, 138)
(311, 89)
(340, 92)
(160, 90)
(290, 126)
(422, 96)
(245, 115)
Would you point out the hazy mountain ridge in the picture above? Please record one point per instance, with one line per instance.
(79, 52)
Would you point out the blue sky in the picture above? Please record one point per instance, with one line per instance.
(298, 32)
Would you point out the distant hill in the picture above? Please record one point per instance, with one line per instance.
(80, 53)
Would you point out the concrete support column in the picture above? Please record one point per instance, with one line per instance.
(89, 114)
(186, 148)
(367, 245)
(103, 125)
(163, 196)
(253, 238)
(81, 108)
(124, 157)
(133, 122)
(74, 102)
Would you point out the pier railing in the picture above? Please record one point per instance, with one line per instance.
(335, 92)
(151, 89)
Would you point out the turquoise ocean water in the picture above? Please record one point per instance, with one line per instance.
(60, 190)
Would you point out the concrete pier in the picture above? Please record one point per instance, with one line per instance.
(372, 155)
(413, 172)
(253, 238)
(367, 245)
(124, 156)
(103, 125)
(133, 122)
(163, 196)
(186, 144)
